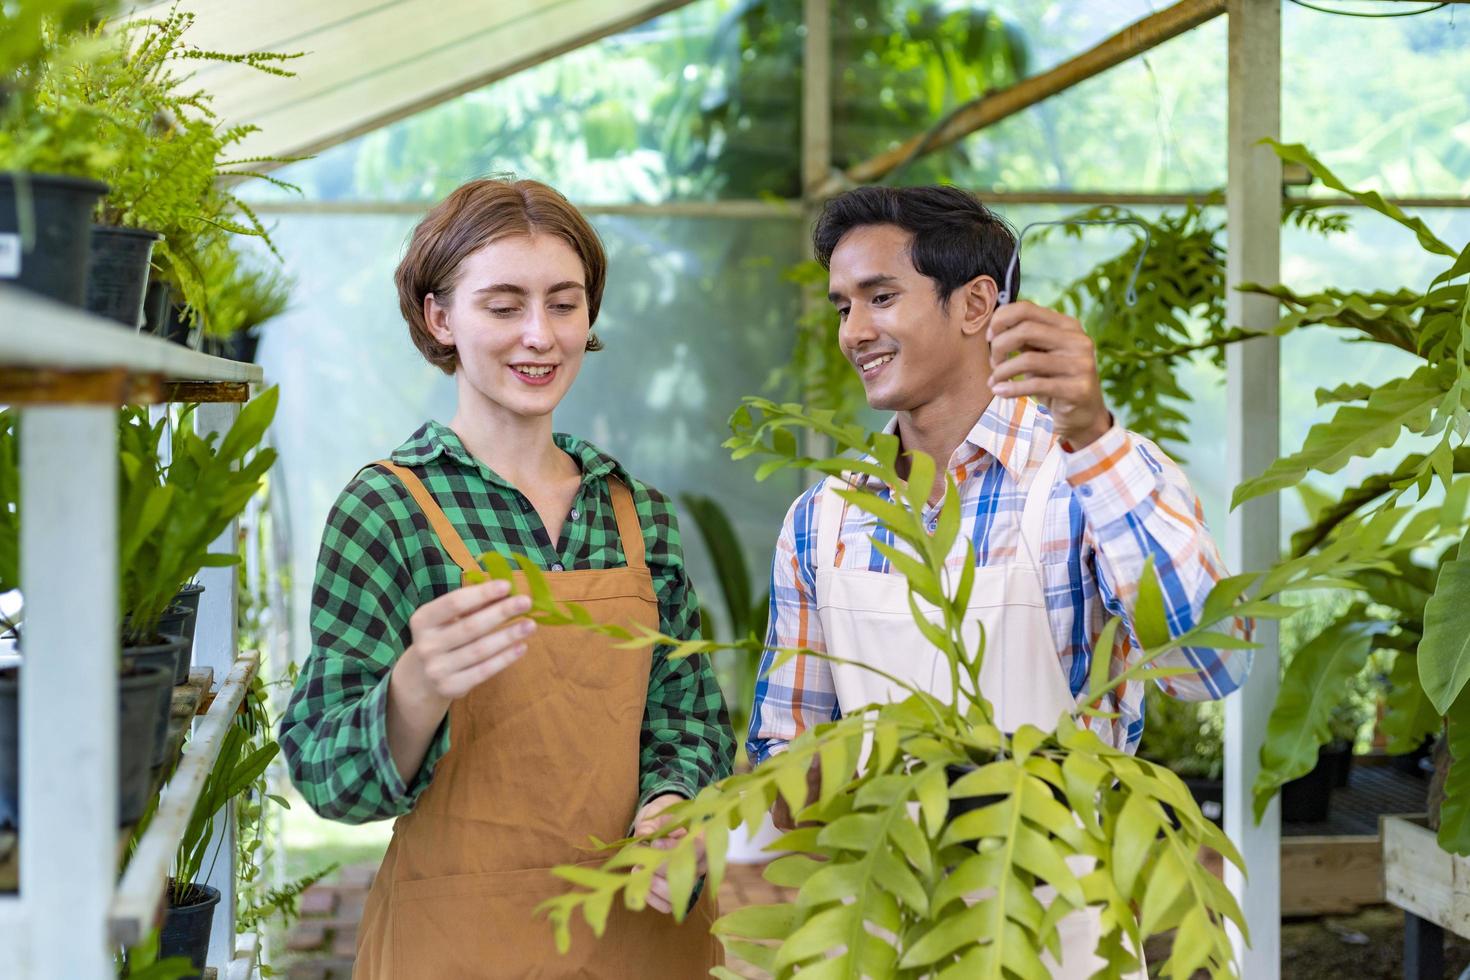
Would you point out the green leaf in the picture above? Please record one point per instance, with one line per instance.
(1150, 621)
(1454, 810)
(1444, 652)
(1355, 431)
(1312, 686)
(1298, 153)
(1408, 716)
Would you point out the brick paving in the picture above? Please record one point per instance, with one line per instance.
(320, 944)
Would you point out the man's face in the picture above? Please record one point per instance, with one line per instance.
(906, 347)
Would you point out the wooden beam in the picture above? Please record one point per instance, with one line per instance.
(46, 386)
(1331, 875)
(207, 391)
(992, 107)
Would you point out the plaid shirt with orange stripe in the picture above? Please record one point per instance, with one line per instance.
(1116, 502)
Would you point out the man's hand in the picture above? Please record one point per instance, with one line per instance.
(781, 814)
(1060, 365)
(648, 821)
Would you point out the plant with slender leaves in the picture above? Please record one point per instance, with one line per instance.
(890, 884)
(236, 769)
(171, 516)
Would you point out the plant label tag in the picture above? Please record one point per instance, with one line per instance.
(9, 256)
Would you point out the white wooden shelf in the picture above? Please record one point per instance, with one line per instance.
(136, 903)
(39, 333)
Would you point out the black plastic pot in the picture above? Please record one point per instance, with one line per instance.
(117, 276)
(172, 325)
(10, 747)
(242, 345)
(188, 597)
(156, 303)
(46, 233)
(178, 621)
(960, 805)
(1308, 799)
(1339, 755)
(186, 926)
(165, 656)
(141, 688)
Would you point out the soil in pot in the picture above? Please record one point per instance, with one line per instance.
(46, 233)
(10, 747)
(186, 925)
(162, 653)
(141, 688)
(117, 276)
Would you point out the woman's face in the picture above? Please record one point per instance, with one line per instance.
(518, 318)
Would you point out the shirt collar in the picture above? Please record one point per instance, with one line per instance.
(1007, 430)
(435, 439)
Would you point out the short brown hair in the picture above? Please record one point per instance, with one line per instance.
(470, 218)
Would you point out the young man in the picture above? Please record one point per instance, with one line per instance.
(1063, 505)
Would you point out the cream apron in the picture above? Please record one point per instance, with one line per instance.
(866, 618)
(543, 756)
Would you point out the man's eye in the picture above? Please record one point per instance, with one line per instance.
(842, 312)
(882, 298)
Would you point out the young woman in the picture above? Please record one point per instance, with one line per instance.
(503, 748)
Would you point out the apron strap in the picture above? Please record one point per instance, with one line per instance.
(829, 522)
(630, 529)
(449, 538)
(1033, 518)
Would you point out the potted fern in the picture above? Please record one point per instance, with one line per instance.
(50, 153)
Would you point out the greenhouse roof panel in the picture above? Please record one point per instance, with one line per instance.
(368, 63)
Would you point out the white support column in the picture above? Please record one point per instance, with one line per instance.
(1252, 532)
(215, 645)
(68, 710)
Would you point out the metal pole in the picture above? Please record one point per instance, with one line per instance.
(69, 692)
(1252, 531)
(216, 646)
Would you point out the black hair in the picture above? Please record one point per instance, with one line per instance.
(955, 237)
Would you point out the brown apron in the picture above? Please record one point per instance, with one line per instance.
(543, 756)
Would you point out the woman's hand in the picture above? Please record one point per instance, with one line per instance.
(464, 638)
(648, 821)
(460, 640)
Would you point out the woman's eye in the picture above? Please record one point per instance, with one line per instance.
(503, 310)
(565, 307)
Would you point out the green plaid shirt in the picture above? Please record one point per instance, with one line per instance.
(380, 561)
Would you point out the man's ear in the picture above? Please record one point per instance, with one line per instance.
(436, 317)
(980, 295)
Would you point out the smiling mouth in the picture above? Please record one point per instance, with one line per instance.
(868, 367)
(534, 374)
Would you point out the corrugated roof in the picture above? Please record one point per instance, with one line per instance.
(370, 62)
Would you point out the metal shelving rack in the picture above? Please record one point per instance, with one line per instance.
(66, 372)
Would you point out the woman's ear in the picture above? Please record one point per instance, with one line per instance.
(980, 295)
(436, 317)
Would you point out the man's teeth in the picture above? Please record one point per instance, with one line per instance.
(874, 364)
(534, 372)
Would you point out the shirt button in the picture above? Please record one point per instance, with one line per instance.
(933, 523)
(575, 514)
(1085, 490)
(557, 567)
